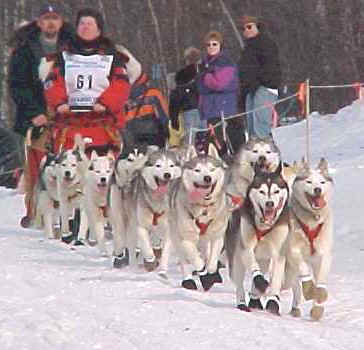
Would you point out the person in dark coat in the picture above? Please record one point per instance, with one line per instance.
(218, 86)
(260, 76)
(27, 71)
(184, 98)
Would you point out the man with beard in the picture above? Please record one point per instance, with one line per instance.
(27, 71)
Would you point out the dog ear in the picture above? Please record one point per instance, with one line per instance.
(323, 167)
(212, 151)
(79, 143)
(94, 155)
(278, 170)
(191, 153)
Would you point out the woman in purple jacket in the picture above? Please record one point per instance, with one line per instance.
(218, 87)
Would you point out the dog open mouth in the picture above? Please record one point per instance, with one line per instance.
(268, 215)
(162, 185)
(203, 190)
(102, 186)
(316, 202)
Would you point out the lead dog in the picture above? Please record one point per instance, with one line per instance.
(255, 239)
(199, 214)
(310, 240)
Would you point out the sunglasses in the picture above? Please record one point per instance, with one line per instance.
(212, 44)
(248, 27)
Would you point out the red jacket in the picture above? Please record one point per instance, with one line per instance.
(113, 98)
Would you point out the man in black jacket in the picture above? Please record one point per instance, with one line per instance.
(260, 76)
(27, 71)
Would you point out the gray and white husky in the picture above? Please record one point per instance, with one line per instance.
(310, 240)
(199, 216)
(47, 199)
(94, 199)
(150, 217)
(263, 153)
(255, 239)
(121, 203)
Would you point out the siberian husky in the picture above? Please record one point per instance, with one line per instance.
(120, 200)
(309, 243)
(69, 167)
(199, 215)
(47, 200)
(94, 199)
(255, 239)
(261, 152)
(151, 190)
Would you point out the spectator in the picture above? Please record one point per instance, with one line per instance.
(218, 88)
(27, 67)
(88, 97)
(146, 114)
(260, 76)
(184, 98)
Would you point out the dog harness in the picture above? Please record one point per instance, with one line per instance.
(156, 216)
(310, 234)
(261, 233)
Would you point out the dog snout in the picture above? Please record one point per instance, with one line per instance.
(262, 159)
(207, 179)
(103, 180)
(269, 204)
(167, 176)
(317, 191)
(67, 174)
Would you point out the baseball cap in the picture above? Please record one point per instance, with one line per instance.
(49, 8)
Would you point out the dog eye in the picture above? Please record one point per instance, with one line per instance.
(322, 182)
(255, 151)
(158, 165)
(276, 191)
(130, 160)
(197, 170)
(172, 165)
(262, 192)
(309, 182)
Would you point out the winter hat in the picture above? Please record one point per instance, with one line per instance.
(49, 8)
(248, 19)
(192, 55)
(89, 12)
(214, 35)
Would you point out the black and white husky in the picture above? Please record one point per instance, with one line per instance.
(255, 240)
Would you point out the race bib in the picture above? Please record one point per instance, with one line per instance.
(86, 79)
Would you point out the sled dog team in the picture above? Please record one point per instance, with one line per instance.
(271, 223)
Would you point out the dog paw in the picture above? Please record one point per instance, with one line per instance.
(317, 312)
(122, 260)
(272, 305)
(79, 242)
(320, 295)
(26, 222)
(260, 283)
(207, 281)
(67, 238)
(189, 284)
(308, 289)
(151, 265)
(243, 307)
(295, 312)
(216, 277)
(255, 303)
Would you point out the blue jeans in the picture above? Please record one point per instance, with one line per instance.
(191, 120)
(260, 122)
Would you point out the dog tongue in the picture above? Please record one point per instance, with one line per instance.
(198, 194)
(162, 189)
(269, 215)
(319, 201)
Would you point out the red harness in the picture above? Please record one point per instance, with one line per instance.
(202, 226)
(156, 216)
(310, 234)
(260, 234)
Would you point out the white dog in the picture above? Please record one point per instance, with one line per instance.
(310, 240)
(94, 200)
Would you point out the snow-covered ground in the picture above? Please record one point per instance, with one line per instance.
(52, 297)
